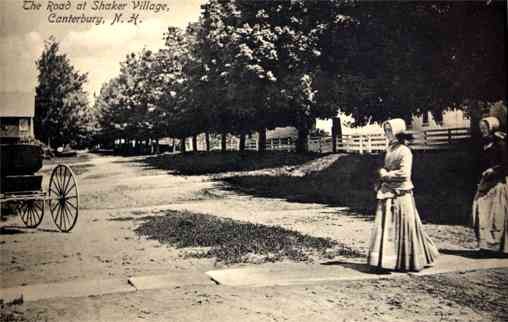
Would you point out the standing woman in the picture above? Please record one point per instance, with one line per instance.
(490, 205)
(398, 241)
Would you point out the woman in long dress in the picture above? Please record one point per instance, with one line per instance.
(398, 241)
(490, 205)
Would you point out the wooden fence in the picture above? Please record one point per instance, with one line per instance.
(429, 139)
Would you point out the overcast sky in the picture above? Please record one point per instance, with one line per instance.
(95, 49)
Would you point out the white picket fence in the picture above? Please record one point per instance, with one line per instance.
(429, 139)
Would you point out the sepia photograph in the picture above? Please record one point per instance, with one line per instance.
(253, 160)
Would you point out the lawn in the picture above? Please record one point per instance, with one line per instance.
(197, 163)
(444, 185)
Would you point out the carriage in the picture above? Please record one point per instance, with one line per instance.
(20, 185)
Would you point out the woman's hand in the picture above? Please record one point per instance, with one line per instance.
(382, 172)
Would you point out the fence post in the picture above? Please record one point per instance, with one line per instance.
(361, 144)
(450, 136)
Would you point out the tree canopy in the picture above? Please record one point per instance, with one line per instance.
(62, 112)
(248, 66)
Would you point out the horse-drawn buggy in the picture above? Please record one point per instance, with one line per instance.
(21, 186)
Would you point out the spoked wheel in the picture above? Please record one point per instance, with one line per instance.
(63, 198)
(31, 212)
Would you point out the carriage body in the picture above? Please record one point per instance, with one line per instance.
(20, 182)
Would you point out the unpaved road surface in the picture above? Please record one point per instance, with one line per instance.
(117, 192)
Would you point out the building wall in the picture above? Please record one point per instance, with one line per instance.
(16, 127)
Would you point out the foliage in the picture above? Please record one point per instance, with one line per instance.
(249, 66)
(408, 57)
(62, 113)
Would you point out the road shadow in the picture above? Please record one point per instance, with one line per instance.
(12, 230)
(15, 229)
(474, 253)
(49, 230)
(130, 218)
(359, 267)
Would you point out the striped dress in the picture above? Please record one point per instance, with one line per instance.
(398, 241)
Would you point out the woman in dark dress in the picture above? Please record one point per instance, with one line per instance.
(490, 205)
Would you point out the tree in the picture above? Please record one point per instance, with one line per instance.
(62, 112)
(404, 58)
(263, 54)
(213, 58)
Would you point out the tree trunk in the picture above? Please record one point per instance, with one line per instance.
(241, 146)
(336, 133)
(183, 148)
(223, 142)
(195, 143)
(476, 137)
(302, 140)
(261, 140)
(207, 141)
(425, 119)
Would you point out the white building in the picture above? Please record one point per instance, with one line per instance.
(16, 115)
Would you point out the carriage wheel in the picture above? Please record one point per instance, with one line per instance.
(31, 212)
(63, 197)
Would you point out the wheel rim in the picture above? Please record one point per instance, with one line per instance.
(63, 198)
(31, 212)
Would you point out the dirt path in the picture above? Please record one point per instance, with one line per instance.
(116, 193)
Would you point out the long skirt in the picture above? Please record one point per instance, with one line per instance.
(490, 218)
(398, 241)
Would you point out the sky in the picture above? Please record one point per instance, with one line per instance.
(93, 49)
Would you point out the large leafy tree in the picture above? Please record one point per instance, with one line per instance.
(263, 55)
(400, 58)
(62, 112)
(213, 59)
(112, 112)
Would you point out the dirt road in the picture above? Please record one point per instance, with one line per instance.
(116, 193)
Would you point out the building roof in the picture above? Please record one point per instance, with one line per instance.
(17, 104)
(282, 132)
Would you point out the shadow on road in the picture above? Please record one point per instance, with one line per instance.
(476, 254)
(12, 230)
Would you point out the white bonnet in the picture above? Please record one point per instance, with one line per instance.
(492, 122)
(398, 126)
